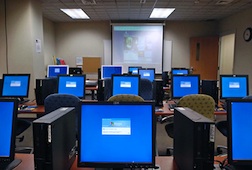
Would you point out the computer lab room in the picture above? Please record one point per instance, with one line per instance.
(133, 84)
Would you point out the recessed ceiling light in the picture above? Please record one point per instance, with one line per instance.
(75, 13)
(161, 12)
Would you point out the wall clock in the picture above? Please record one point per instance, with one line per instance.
(247, 34)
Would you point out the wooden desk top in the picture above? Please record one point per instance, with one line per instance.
(165, 162)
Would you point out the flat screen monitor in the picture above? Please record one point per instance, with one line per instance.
(186, 84)
(147, 73)
(8, 112)
(179, 71)
(125, 84)
(239, 129)
(72, 84)
(133, 69)
(111, 135)
(16, 85)
(233, 86)
(55, 70)
(75, 70)
(108, 70)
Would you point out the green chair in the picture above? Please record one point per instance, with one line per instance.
(125, 98)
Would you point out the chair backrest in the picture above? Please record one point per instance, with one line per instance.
(247, 97)
(146, 89)
(55, 101)
(125, 98)
(107, 88)
(201, 103)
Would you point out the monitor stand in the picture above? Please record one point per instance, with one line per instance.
(22, 100)
(13, 164)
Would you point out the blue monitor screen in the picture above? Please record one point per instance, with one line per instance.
(133, 70)
(72, 84)
(233, 86)
(125, 84)
(8, 112)
(182, 85)
(239, 130)
(55, 70)
(15, 85)
(148, 73)
(108, 70)
(180, 71)
(112, 135)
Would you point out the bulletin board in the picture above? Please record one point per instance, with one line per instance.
(91, 64)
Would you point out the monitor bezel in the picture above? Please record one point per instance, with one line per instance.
(183, 75)
(148, 69)
(125, 75)
(179, 68)
(48, 67)
(11, 157)
(233, 75)
(231, 161)
(137, 67)
(116, 164)
(72, 75)
(18, 96)
(102, 70)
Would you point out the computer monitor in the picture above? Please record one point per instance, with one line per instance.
(75, 70)
(112, 135)
(233, 86)
(72, 84)
(147, 73)
(125, 84)
(8, 112)
(133, 69)
(108, 70)
(186, 84)
(55, 70)
(179, 71)
(239, 129)
(16, 85)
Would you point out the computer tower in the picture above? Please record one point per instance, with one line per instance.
(45, 87)
(54, 140)
(210, 88)
(158, 92)
(194, 136)
(100, 90)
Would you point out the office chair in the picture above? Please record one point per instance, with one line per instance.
(125, 98)
(222, 126)
(146, 89)
(55, 101)
(201, 103)
(21, 126)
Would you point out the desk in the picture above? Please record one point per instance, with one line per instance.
(165, 162)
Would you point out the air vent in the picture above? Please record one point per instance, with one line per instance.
(224, 2)
(88, 2)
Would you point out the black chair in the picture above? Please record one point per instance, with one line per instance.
(55, 101)
(146, 89)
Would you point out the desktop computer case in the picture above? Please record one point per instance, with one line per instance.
(55, 140)
(194, 137)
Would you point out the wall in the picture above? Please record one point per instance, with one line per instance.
(3, 67)
(243, 51)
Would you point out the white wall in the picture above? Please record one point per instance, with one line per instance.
(3, 68)
(243, 50)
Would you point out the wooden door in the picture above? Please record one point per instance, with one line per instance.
(204, 57)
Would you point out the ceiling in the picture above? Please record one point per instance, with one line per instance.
(140, 10)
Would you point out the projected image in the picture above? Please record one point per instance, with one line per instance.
(116, 126)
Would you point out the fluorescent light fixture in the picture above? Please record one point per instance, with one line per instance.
(161, 12)
(75, 13)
